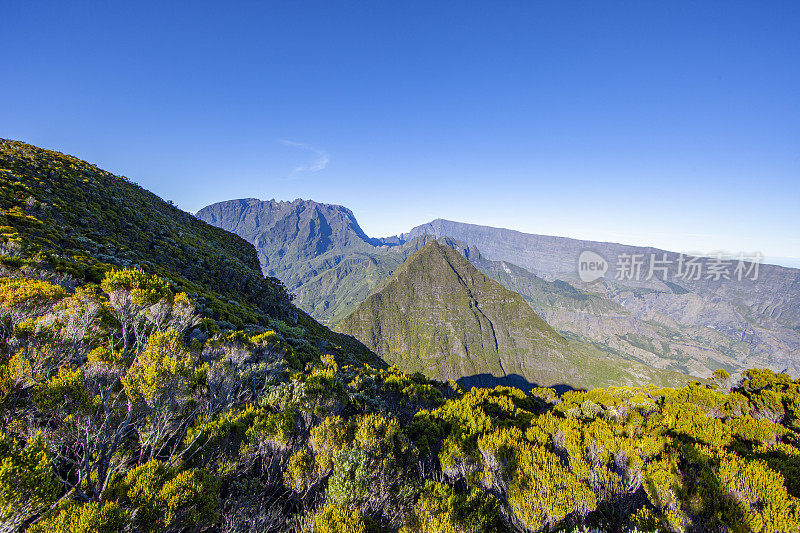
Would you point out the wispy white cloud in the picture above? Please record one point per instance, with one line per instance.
(319, 162)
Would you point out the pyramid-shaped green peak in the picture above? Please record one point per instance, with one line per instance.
(439, 315)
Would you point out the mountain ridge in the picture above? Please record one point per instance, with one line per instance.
(439, 273)
(693, 326)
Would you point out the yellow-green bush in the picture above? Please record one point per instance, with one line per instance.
(23, 298)
(144, 288)
(65, 391)
(761, 493)
(381, 437)
(92, 517)
(340, 519)
(350, 481)
(158, 494)
(27, 483)
(440, 510)
(327, 438)
(229, 423)
(299, 473)
(270, 430)
(663, 485)
(540, 489)
(164, 367)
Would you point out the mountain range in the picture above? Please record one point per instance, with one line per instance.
(669, 321)
(152, 379)
(692, 324)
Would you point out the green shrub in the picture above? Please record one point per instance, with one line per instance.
(339, 519)
(349, 483)
(27, 483)
(440, 510)
(92, 517)
(158, 495)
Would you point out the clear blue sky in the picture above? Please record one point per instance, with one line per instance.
(664, 123)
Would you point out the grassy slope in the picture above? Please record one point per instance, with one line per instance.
(62, 213)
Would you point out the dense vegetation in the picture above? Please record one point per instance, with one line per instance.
(82, 221)
(117, 415)
(126, 404)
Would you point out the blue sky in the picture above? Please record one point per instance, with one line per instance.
(663, 123)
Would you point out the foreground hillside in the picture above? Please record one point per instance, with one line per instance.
(116, 418)
(82, 220)
(72, 219)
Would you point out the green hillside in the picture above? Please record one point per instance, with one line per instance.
(333, 293)
(82, 221)
(63, 214)
(438, 315)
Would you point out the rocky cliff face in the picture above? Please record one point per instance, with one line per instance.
(290, 237)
